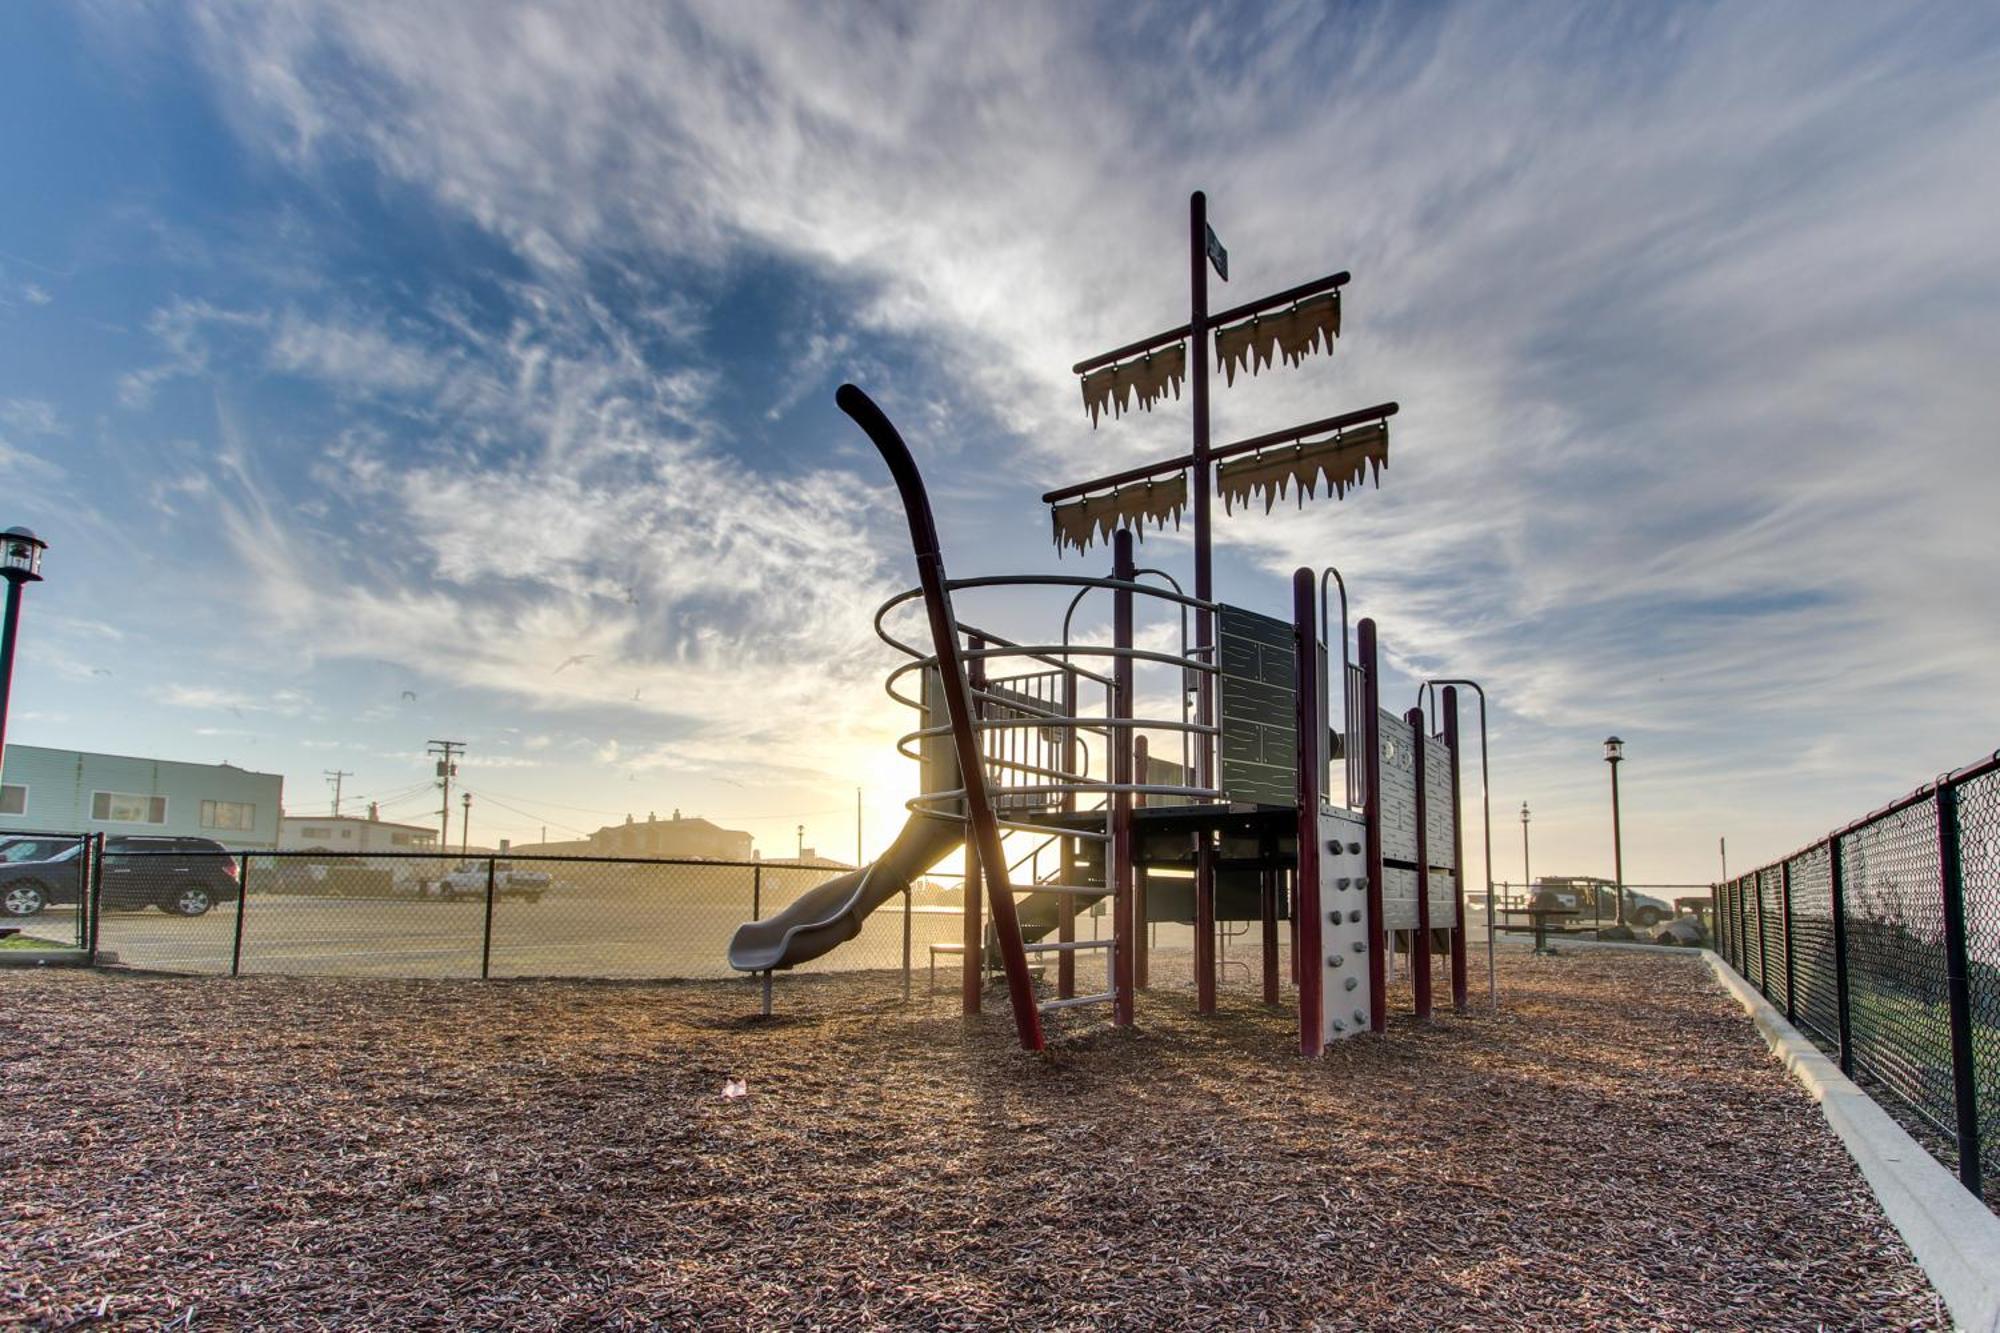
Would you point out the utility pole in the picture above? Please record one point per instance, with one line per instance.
(1527, 881)
(447, 769)
(333, 776)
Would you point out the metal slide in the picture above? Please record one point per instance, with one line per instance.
(831, 914)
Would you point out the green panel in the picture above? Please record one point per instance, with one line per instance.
(1258, 707)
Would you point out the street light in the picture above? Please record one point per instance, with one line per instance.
(1614, 752)
(21, 564)
(1527, 880)
(465, 825)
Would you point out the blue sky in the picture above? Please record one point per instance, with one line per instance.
(349, 351)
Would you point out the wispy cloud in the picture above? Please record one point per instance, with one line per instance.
(1687, 308)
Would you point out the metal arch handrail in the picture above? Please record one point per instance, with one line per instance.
(920, 803)
(1079, 581)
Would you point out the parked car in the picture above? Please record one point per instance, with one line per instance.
(468, 880)
(27, 892)
(1598, 899)
(181, 876)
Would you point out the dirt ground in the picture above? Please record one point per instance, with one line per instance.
(1614, 1149)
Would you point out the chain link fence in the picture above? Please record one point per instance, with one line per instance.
(420, 916)
(1881, 942)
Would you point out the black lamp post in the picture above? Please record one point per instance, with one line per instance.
(1614, 752)
(1527, 880)
(21, 564)
(465, 825)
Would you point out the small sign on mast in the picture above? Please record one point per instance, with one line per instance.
(1216, 254)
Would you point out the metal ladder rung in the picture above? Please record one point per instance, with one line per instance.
(1104, 998)
(1067, 946)
(1086, 890)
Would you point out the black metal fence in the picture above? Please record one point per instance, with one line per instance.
(1881, 942)
(417, 915)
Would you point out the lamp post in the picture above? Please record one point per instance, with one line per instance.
(1527, 881)
(802, 842)
(21, 564)
(464, 825)
(1614, 753)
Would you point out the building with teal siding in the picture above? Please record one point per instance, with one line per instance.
(74, 791)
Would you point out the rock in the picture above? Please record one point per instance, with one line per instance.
(1685, 931)
(1616, 933)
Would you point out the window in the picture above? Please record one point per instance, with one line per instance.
(237, 815)
(315, 833)
(13, 799)
(117, 807)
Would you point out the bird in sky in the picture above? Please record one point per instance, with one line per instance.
(410, 695)
(100, 671)
(635, 696)
(571, 661)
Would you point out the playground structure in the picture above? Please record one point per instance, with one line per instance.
(1047, 741)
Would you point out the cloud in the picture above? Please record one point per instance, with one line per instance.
(1687, 309)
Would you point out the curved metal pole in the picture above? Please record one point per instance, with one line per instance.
(984, 825)
(1346, 722)
(1486, 807)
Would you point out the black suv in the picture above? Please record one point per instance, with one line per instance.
(181, 876)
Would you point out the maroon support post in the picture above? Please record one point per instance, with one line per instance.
(1121, 776)
(1458, 987)
(1371, 708)
(1204, 589)
(984, 825)
(1312, 773)
(1420, 944)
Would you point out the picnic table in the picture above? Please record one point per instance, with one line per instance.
(1539, 918)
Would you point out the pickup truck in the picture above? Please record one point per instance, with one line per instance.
(468, 880)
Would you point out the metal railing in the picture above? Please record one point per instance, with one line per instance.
(1881, 942)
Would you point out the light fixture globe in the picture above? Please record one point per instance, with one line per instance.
(21, 555)
(1614, 749)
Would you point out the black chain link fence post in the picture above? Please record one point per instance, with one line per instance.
(486, 936)
(906, 943)
(1844, 1014)
(1958, 991)
(242, 896)
(95, 890)
(1791, 949)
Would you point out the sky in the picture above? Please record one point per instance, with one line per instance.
(380, 372)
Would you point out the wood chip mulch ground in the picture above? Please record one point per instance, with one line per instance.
(1615, 1149)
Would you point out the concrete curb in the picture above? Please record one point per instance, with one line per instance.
(43, 958)
(1954, 1237)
